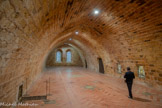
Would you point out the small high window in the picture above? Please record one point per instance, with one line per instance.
(68, 56)
(58, 56)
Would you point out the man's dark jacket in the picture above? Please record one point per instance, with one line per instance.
(129, 76)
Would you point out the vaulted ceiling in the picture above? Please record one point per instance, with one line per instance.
(127, 32)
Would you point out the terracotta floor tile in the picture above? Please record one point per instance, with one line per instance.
(80, 88)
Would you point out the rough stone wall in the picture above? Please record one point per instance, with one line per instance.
(75, 58)
(139, 42)
(126, 32)
(19, 52)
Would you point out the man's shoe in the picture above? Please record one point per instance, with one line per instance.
(130, 97)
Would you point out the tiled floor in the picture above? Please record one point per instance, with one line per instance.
(80, 88)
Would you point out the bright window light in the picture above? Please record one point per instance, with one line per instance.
(58, 56)
(68, 56)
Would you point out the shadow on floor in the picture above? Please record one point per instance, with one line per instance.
(140, 99)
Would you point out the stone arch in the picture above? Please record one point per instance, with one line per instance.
(91, 43)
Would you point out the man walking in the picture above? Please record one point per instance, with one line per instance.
(129, 80)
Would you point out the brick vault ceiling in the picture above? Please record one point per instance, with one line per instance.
(125, 31)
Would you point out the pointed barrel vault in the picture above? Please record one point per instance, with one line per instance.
(122, 32)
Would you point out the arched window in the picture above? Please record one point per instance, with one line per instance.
(68, 56)
(58, 56)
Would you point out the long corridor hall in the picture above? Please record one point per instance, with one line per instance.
(75, 87)
(81, 53)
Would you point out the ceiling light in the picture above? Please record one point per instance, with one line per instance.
(70, 39)
(76, 32)
(96, 12)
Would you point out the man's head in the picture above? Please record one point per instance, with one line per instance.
(128, 68)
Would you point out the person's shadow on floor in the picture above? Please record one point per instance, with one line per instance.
(140, 99)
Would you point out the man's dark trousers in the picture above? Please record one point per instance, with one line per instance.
(129, 85)
(129, 80)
